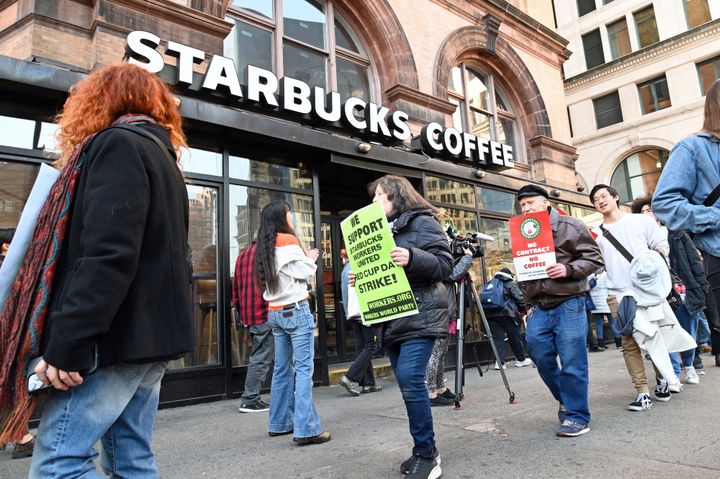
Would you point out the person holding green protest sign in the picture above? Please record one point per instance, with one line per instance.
(423, 252)
(284, 270)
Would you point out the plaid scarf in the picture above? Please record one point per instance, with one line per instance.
(23, 317)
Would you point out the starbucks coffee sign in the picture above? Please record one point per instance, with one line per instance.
(263, 87)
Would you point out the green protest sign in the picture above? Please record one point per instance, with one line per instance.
(382, 288)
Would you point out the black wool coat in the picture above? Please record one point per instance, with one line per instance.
(430, 264)
(686, 262)
(122, 283)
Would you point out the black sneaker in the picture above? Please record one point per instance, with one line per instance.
(641, 403)
(413, 461)
(319, 439)
(441, 400)
(257, 406)
(662, 391)
(448, 394)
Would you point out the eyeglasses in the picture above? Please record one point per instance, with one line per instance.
(604, 196)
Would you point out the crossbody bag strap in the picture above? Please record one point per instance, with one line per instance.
(713, 197)
(142, 131)
(613, 240)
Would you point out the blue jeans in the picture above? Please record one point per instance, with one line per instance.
(291, 397)
(599, 318)
(703, 333)
(561, 331)
(409, 359)
(689, 323)
(116, 405)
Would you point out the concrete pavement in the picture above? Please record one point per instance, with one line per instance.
(488, 438)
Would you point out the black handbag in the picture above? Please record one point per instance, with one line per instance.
(675, 298)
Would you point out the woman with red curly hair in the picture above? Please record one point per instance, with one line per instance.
(119, 306)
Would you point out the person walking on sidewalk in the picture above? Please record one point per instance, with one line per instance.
(360, 376)
(423, 252)
(622, 237)
(248, 302)
(120, 303)
(599, 295)
(686, 197)
(506, 320)
(284, 271)
(557, 323)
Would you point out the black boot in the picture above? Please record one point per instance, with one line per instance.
(618, 343)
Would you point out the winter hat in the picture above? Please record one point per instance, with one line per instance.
(532, 190)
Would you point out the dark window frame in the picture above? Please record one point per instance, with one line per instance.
(715, 62)
(638, 24)
(654, 85)
(599, 115)
(594, 53)
(585, 6)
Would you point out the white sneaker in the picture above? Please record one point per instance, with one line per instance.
(497, 366)
(522, 364)
(691, 377)
(675, 387)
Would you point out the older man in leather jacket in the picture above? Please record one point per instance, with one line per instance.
(557, 325)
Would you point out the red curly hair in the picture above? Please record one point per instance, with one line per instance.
(110, 92)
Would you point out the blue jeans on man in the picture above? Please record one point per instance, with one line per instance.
(409, 360)
(561, 331)
(261, 357)
(291, 397)
(116, 405)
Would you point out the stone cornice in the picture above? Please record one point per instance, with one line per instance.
(402, 92)
(179, 15)
(542, 140)
(653, 52)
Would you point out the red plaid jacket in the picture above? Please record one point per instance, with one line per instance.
(246, 296)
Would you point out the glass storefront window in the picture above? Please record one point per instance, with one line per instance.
(16, 132)
(499, 201)
(464, 222)
(343, 38)
(246, 204)
(205, 162)
(242, 168)
(47, 140)
(203, 239)
(497, 253)
(16, 181)
(448, 191)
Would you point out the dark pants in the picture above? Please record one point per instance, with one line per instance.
(366, 343)
(591, 342)
(712, 271)
(261, 358)
(499, 327)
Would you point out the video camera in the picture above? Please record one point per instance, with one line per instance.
(470, 241)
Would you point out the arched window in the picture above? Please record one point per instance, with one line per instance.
(303, 39)
(482, 107)
(638, 174)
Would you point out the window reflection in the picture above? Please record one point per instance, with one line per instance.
(16, 132)
(352, 80)
(264, 8)
(246, 204)
(304, 65)
(16, 181)
(638, 174)
(242, 168)
(304, 20)
(448, 191)
(496, 200)
(497, 253)
(203, 241)
(248, 45)
(206, 162)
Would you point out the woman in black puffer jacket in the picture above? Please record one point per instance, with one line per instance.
(423, 251)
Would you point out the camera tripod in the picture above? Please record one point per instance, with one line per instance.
(468, 291)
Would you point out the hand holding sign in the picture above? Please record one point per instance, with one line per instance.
(401, 256)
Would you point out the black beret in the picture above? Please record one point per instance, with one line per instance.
(532, 190)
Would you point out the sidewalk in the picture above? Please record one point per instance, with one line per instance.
(488, 438)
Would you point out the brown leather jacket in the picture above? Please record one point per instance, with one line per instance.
(577, 250)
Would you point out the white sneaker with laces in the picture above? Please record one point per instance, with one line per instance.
(675, 387)
(691, 376)
(522, 364)
(497, 366)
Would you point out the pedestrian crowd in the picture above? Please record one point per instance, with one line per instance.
(650, 278)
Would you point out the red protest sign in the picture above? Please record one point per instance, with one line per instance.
(532, 245)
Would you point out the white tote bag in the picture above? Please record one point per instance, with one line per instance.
(353, 304)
